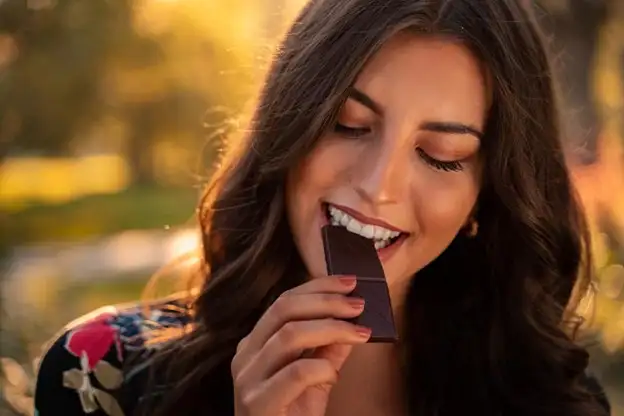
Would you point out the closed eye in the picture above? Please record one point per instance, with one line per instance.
(351, 132)
(447, 166)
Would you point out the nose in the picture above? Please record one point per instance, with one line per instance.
(382, 177)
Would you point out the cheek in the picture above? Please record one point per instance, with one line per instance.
(447, 207)
(442, 208)
(310, 179)
(327, 166)
(314, 180)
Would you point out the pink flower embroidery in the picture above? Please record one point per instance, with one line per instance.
(94, 339)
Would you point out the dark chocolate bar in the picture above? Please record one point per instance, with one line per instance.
(347, 253)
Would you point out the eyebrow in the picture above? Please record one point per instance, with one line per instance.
(433, 126)
(365, 100)
(450, 127)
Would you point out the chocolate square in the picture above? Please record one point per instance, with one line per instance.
(347, 253)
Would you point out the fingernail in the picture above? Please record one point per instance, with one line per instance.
(356, 303)
(363, 331)
(348, 281)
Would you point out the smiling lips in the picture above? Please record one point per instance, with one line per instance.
(383, 237)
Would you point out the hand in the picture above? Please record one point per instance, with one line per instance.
(288, 364)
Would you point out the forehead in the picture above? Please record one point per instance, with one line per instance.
(436, 75)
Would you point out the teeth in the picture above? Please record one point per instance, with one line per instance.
(381, 244)
(355, 226)
(368, 231)
(381, 235)
(344, 220)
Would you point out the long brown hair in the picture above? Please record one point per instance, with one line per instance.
(486, 329)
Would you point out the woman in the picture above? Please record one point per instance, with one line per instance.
(432, 121)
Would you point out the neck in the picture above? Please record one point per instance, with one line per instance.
(371, 375)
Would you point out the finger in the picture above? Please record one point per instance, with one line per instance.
(301, 306)
(292, 309)
(241, 345)
(288, 344)
(238, 362)
(336, 354)
(325, 284)
(289, 383)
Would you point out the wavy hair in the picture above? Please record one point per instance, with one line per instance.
(489, 323)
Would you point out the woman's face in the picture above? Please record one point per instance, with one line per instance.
(401, 165)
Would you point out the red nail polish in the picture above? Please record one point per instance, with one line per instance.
(348, 281)
(356, 303)
(363, 331)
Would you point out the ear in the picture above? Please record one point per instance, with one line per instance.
(472, 216)
(471, 225)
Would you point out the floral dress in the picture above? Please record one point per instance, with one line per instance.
(81, 371)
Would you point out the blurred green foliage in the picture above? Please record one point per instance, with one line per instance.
(139, 207)
(115, 76)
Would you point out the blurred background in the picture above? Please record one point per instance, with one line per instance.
(112, 113)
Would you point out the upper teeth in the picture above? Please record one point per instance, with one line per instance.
(380, 234)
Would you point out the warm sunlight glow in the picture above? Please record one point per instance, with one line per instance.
(60, 179)
(183, 243)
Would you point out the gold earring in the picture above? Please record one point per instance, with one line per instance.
(473, 228)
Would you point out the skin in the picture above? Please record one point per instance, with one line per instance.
(299, 360)
(381, 174)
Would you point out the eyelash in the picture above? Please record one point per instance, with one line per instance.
(351, 132)
(453, 166)
(356, 133)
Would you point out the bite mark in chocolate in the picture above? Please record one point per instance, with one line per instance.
(347, 253)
